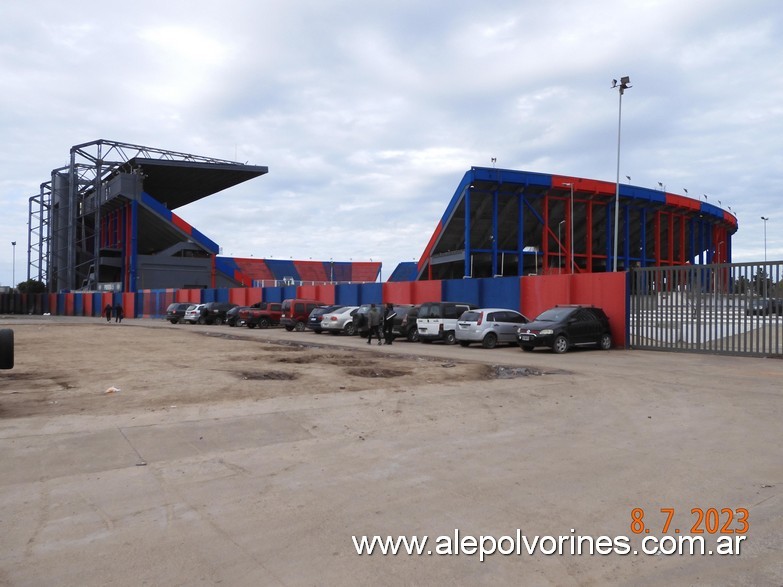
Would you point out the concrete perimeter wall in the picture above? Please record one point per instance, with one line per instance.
(529, 295)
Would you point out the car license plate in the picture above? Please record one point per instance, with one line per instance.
(526, 337)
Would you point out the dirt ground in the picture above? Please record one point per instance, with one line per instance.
(150, 453)
(155, 370)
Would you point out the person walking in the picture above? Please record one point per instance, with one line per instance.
(119, 314)
(388, 324)
(374, 322)
(107, 312)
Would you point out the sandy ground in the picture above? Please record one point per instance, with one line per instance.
(147, 453)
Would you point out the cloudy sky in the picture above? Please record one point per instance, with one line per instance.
(368, 113)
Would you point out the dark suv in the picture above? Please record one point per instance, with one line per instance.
(563, 327)
(404, 325)
(215, 312)
(176, 312)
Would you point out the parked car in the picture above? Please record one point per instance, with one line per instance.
(296, 312)
(314, 319)
(404, 325)
(196, 314)
(176, 312)
(764, 306)
(438, 320)
(563, 327)
(340, 320)
(489, 326)
(232, 316)
(262, 314)
(215, 312)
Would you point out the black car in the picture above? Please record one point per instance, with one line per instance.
(404, 325)
(314, 319)
(232, 316)
(563, 327)
(764, 307)
(176, 311)
(215, 312)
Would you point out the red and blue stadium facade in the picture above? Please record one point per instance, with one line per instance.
(503, 222)
(507, 238)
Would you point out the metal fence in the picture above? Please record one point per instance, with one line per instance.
(733, 309)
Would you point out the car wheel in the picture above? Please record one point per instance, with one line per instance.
(350, 329)
(263, 323)
(464, 343)
(299, 326)
(526, 347)
(232, 324)
(202, 320)
(173, 320)
(490, 341)
(560, 345)
(250, 325)
(218, 321)
(449, 337)
(6, 348)
(317, 330)
(289, 328)
(605, 343)
(413, 335)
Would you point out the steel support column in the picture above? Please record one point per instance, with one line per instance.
(468, 253)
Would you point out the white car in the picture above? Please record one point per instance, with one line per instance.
(195, 314)
(340, 320)
(489, 326)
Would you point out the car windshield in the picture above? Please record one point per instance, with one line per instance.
(470, 317)
(554, 315)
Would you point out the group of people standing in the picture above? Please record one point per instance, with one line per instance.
(115, 310)
(378, 321)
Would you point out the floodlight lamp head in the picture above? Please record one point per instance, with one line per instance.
(614, 83)
(625, 81)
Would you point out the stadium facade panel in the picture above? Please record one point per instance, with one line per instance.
(503, 222)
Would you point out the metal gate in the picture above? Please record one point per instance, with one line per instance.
(732, 309)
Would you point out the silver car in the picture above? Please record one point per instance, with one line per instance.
(340, 320)
(489, 326)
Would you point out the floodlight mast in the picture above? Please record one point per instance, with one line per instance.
(625, 82)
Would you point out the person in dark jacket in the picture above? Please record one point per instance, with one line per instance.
(119, 314)
(374, 323)
(388, 324)
(107, 312)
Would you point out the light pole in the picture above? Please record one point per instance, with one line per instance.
(571, 247)
(765, 218)
(559, 250)
(13, 266)
(624, 85)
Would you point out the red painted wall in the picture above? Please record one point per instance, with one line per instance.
(605, 290)
(539, 292)
(397, 292)
(426, 291)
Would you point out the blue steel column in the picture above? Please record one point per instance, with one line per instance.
(467, 232)
(134, 256)
(521, 235)
(495, 232)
